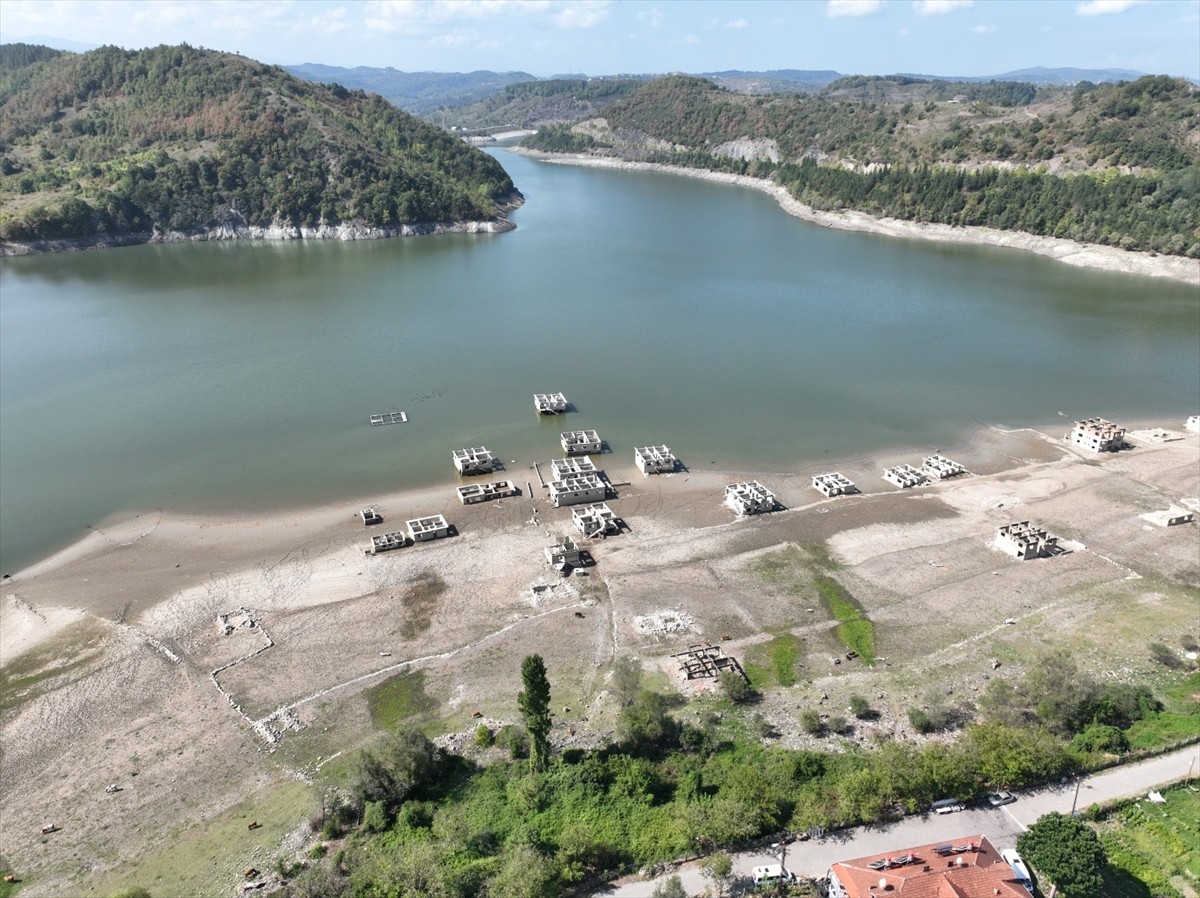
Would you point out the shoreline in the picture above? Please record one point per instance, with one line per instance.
(123, 529)
(345, 231)
(1070, 252)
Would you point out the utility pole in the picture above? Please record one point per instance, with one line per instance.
(1075, 800)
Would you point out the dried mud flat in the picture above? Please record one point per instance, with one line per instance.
(210, 666)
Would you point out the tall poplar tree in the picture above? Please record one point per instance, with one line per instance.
(534, 702)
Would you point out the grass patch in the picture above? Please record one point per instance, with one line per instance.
(398, 699)
(27, 676)
(1149, 844)
(1179, 719)
(775, 662)
(855, 631)
(207, 858)
(420, 603)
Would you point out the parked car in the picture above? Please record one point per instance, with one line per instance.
(996, 799)
(1020, 871)
(946, 806)
(771, 873)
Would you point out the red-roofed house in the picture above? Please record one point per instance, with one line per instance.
(967, 868)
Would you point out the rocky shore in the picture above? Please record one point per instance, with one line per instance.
(239, 230)
(1084, 255)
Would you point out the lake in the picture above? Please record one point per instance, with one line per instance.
(240, 376)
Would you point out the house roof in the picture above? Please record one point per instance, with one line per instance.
(968, 867)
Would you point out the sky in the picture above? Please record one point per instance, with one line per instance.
(607, 37)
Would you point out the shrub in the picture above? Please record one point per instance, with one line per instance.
(810, 722)
(920, 720)
(375, 817)
(484, 737)
(839, 724)
(735, 687)
(860, 707)
(1100, 738)
(1067, 852)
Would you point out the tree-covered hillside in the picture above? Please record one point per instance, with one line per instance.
(184, 139)
(1113, 164)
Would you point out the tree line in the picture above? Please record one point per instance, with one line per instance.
(176, 138)
(677, 779)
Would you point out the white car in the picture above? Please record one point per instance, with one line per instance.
(771, 873)
(1020, 871)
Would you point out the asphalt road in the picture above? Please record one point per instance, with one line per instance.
(1001, 825)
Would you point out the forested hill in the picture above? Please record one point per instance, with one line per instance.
(116, 142)
(1115, 164)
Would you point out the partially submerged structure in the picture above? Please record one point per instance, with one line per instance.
(388, 418)
(580, 442)
(550, 403)
(654, 460)
(1098, 435)
(596, 519)
(385, 542)
(834, 484)
(471, 493)
(1193, 423)
(749, 498)
(563, 554)
(904, 476)
(575, 489)
(570, 467)
(1024, 540)
(969, 867)
(370, 515)
(474, 461)
(938, 467)
(424, 529)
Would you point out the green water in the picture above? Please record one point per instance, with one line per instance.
(240, 376)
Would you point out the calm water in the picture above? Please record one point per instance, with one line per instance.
(668, 310)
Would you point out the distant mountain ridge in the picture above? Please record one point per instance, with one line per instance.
(423, 93)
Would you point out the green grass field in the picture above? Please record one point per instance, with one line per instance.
(1153, 849)
(855, 631)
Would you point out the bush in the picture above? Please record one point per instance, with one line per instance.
(1165, 656)
(860, 707)
(484, 737)
(920, 720)
(735, 687)
(839, 724)
(1100, 738)
(375, 817)
(810, 722)
(513, 739)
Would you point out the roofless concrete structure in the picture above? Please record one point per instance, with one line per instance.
(749, 498)
(472, 493)
(550, 403)
(1024, 540)
(654, 460)
(904, 476)
(580, 442)
(474, 461)
(833, 484)
(1098, 435)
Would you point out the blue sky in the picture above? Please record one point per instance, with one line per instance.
(599, 37)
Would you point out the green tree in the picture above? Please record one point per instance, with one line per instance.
(534, 702)
(735, 687)
(718, 869)
(1067, 852)
(671, 888)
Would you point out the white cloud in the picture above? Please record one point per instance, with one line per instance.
(1105, 7)
(691, 39)
(837, 9)
(653, 18)
(736, 23)
(940, 7)
(582, 14)
(983, 29)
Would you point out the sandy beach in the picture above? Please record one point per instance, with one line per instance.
(212, 666)
(1103, 258)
